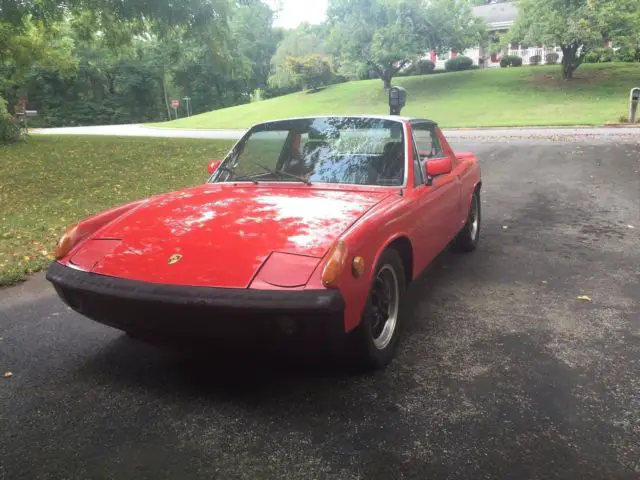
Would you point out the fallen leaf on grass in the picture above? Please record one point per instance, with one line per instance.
(7, 374)
(586, 298)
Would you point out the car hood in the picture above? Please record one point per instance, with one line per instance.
(220, 235)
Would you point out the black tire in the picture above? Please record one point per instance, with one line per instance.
(368, 354)
(467, 240)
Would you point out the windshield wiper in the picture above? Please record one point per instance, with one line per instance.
(282, 173)
(246, 177)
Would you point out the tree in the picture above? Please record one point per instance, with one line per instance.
(21, 46)
(384, 35)
(255, 38)
(297, 43)
(37, 37)
(312, 71)
(486, 2)
(193, 15)
(575, 25)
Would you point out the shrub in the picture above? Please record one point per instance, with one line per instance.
(591, 57)
(627, 53)
(424, 67)
(552, 58)
(458, 64)
(10, 129)
(535, 60)
(419, 67)
(599, 55)
(510, 61)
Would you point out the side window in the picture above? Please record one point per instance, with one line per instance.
(427, 141)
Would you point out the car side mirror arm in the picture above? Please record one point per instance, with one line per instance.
(429, 181)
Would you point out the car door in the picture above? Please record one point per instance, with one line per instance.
(463, 171)
(438, 198)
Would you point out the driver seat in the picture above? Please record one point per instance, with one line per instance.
(391, 168)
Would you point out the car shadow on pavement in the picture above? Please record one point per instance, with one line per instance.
(240, 372)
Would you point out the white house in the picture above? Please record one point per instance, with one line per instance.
(499, 18)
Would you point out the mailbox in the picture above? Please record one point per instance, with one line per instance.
(31, 113)
(634, 97)
(397, 100)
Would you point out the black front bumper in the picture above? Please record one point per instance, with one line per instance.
(182, 312)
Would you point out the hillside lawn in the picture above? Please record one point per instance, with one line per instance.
(49, 183)
(526, 96)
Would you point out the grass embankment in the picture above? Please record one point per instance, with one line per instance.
(48, 183)
(526, 96)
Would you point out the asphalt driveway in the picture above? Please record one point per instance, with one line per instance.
(504, 372)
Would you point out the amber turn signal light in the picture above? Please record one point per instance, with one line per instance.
(67, 242)
(335, 264)
(357, 266)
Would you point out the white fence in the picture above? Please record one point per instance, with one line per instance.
(475, 54)
(528, 53)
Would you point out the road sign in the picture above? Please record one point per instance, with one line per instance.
(175, 104)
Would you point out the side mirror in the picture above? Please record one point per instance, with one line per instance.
(213, 166)
(438, 166)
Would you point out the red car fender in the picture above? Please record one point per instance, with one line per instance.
(366, 238)
(94, 224)
(355, 309)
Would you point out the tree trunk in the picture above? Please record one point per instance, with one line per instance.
(166, 98)
(387, 76)
(570, 61)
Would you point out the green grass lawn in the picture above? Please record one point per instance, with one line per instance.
(524, 96)
(48, 183)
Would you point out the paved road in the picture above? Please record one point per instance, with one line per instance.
(140, 130)
(503, 373)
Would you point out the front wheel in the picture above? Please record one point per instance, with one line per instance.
(377, 335)
(468, 238)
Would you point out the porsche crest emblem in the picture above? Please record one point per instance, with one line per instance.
(175, 258)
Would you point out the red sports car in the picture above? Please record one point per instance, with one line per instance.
(310, 229)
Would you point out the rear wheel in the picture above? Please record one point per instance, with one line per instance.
(468, 238)
(377, 335)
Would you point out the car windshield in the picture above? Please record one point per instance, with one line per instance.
(345, 150)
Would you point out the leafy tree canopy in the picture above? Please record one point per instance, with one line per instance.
(301, 42)
(384, 35)
(576, 26)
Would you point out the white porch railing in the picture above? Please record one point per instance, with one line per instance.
(528, 53)
(475, 53)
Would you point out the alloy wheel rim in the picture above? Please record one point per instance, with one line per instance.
(384, 306)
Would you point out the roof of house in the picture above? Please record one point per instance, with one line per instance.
(497, 15)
